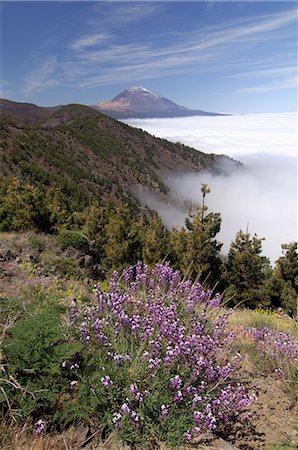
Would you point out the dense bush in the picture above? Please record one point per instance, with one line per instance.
(23, 207)
(61, 266)
(33, 377)
(160, 359)
(72, 238)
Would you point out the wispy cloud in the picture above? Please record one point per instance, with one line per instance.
(126, 12)
(268, 72)
(278, 85)
(105, 57)
(89, 41)
(152, 60)
(43, 78)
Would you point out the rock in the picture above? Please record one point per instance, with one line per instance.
(203, 437)
(220, 444)
(271, 405)
(95, 272)
(86, 261)
(72, 252)
(30, 258)
(8, 256)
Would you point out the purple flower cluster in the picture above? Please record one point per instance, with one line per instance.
(272, 344)
(126, 413)
(137, 395)
(74, 311)
(178, 333)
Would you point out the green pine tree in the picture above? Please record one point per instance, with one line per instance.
(124, 235)
(155, 241)
(286, 275)
(195, 246)
(246, 271)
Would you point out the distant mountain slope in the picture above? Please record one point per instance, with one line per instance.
(27, 112)
(139, 102)
(91, 156)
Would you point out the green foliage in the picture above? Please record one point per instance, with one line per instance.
(73, 238)
(35, 242)
(287, 265)
(5, 123)
(202, 247)
(261, 318)
(64, 266)
(33, 379)
(23, 207)
(117, 233)
(195, 247)
(177, 245)
(123, 239)
(58, 205)
(94, 221)
(10, 309)
(245, 271)
(286, 276)
(155, 243)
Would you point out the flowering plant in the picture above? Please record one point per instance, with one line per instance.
(164, 354)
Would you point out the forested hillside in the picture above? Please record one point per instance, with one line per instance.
(89, 156)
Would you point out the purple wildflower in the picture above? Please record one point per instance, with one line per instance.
(40, 426)
(164, 410)
(73, 385)
(125, 408)
(106, 381)
(182, 337)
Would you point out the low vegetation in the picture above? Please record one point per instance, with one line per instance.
(151, 356)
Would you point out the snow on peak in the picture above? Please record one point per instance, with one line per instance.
(142, 90)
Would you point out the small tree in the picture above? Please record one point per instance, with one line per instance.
(286, 272)
(198, 245)
(177, 249)
(23, 207)
(124, 234)
(155, 241)
(246, 271)
(287, 265)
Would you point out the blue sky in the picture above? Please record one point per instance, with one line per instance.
(238, 56)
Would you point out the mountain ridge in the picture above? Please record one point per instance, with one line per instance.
(90, 155)
(29, 112)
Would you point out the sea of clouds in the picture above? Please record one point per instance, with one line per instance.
(261, 196)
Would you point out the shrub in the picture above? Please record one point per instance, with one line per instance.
(36, 242)
(72, 238)
(66, 267)
(158, 363)
(33, 379)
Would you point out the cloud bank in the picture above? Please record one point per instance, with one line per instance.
(262, 195)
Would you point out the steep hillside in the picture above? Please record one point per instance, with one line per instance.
(89, 155)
